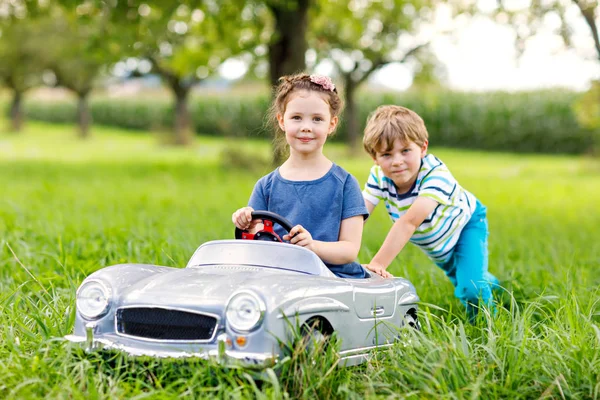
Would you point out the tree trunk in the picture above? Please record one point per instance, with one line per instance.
(351, 115)
(287, 52)
(16, 112)
(589, 14)
(183, 131)
(84, 117)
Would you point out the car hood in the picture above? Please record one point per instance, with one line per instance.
(212, 286)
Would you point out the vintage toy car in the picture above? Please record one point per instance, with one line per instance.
(237, 301)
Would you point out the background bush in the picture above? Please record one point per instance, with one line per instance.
(541, 121)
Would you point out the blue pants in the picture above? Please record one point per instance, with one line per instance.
(467, 267)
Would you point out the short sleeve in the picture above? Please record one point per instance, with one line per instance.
(439, 185)
(353, 203)
(258, 199)
(372, 191)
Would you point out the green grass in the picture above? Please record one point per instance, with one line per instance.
(70, 207)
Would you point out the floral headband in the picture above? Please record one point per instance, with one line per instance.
(323, 81)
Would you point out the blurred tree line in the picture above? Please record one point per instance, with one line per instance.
(73, 44)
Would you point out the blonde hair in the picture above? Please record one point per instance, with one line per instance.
(289, 84)
(388, 123)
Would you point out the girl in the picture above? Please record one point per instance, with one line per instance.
(308, 189)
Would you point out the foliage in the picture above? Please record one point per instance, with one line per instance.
(588, 107)
(531, 17)
(20, 69)
(190, 40)
(73, 207)
(19, 44)
(83, 42)
(522, 122)
(361, 37)
(587, 110)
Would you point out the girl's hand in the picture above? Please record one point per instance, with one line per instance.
(378, 269)
(242, 218)
(300, 237)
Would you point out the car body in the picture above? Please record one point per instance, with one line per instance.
(237, 301)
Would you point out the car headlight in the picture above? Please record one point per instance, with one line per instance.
(93, 298)
(245, 311)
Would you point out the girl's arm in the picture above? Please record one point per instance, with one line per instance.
(401, 232)
(344, 251)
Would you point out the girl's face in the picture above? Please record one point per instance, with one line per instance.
(307, 122)
(401, 163)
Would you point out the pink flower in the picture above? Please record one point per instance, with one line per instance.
(323, 81)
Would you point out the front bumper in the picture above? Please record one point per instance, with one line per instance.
(221, 352)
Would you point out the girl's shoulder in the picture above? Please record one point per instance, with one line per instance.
(339, 172)
(343, 176)
(266, 181)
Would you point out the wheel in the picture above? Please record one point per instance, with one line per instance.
(411, 319)
(313, 335)
(267, 233)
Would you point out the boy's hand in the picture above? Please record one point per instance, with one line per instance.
(378, 269)
(300, 236)
(242, 218)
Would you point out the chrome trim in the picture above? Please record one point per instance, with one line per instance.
(226, 358)
(408, 298)
(218, 321)
(354, 360)
(377, 311)
(222, 345)
(362, 350)
(89, 336)
(109, 302)
(313, 305)
(261, 304)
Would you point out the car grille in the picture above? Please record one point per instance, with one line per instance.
(165, 324)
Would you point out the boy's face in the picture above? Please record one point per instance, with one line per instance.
(401, 163)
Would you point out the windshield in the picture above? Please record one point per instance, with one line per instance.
(259, 254)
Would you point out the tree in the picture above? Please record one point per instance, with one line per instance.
(288, 44)
(588, 105)
(591, 12)
(361, 37)
(79, 42)
(19, 67)
(536, 10)
(187, 41)
(285, 33)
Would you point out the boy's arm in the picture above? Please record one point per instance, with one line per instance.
(401, 232)
(370, 207)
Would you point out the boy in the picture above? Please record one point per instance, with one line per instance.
(428, 206)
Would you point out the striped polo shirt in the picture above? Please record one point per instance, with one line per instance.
(439, 232)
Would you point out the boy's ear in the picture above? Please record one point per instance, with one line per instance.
(280, 121)
(424, 148)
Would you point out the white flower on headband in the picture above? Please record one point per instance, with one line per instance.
(323, 81)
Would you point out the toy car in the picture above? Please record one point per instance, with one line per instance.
(237, 301)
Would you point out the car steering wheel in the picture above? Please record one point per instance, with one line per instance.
(267, 233)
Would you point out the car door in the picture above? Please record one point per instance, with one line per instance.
(375, 304)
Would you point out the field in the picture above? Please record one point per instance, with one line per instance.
(69, 208)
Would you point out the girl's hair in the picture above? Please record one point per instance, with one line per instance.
(289, 84)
